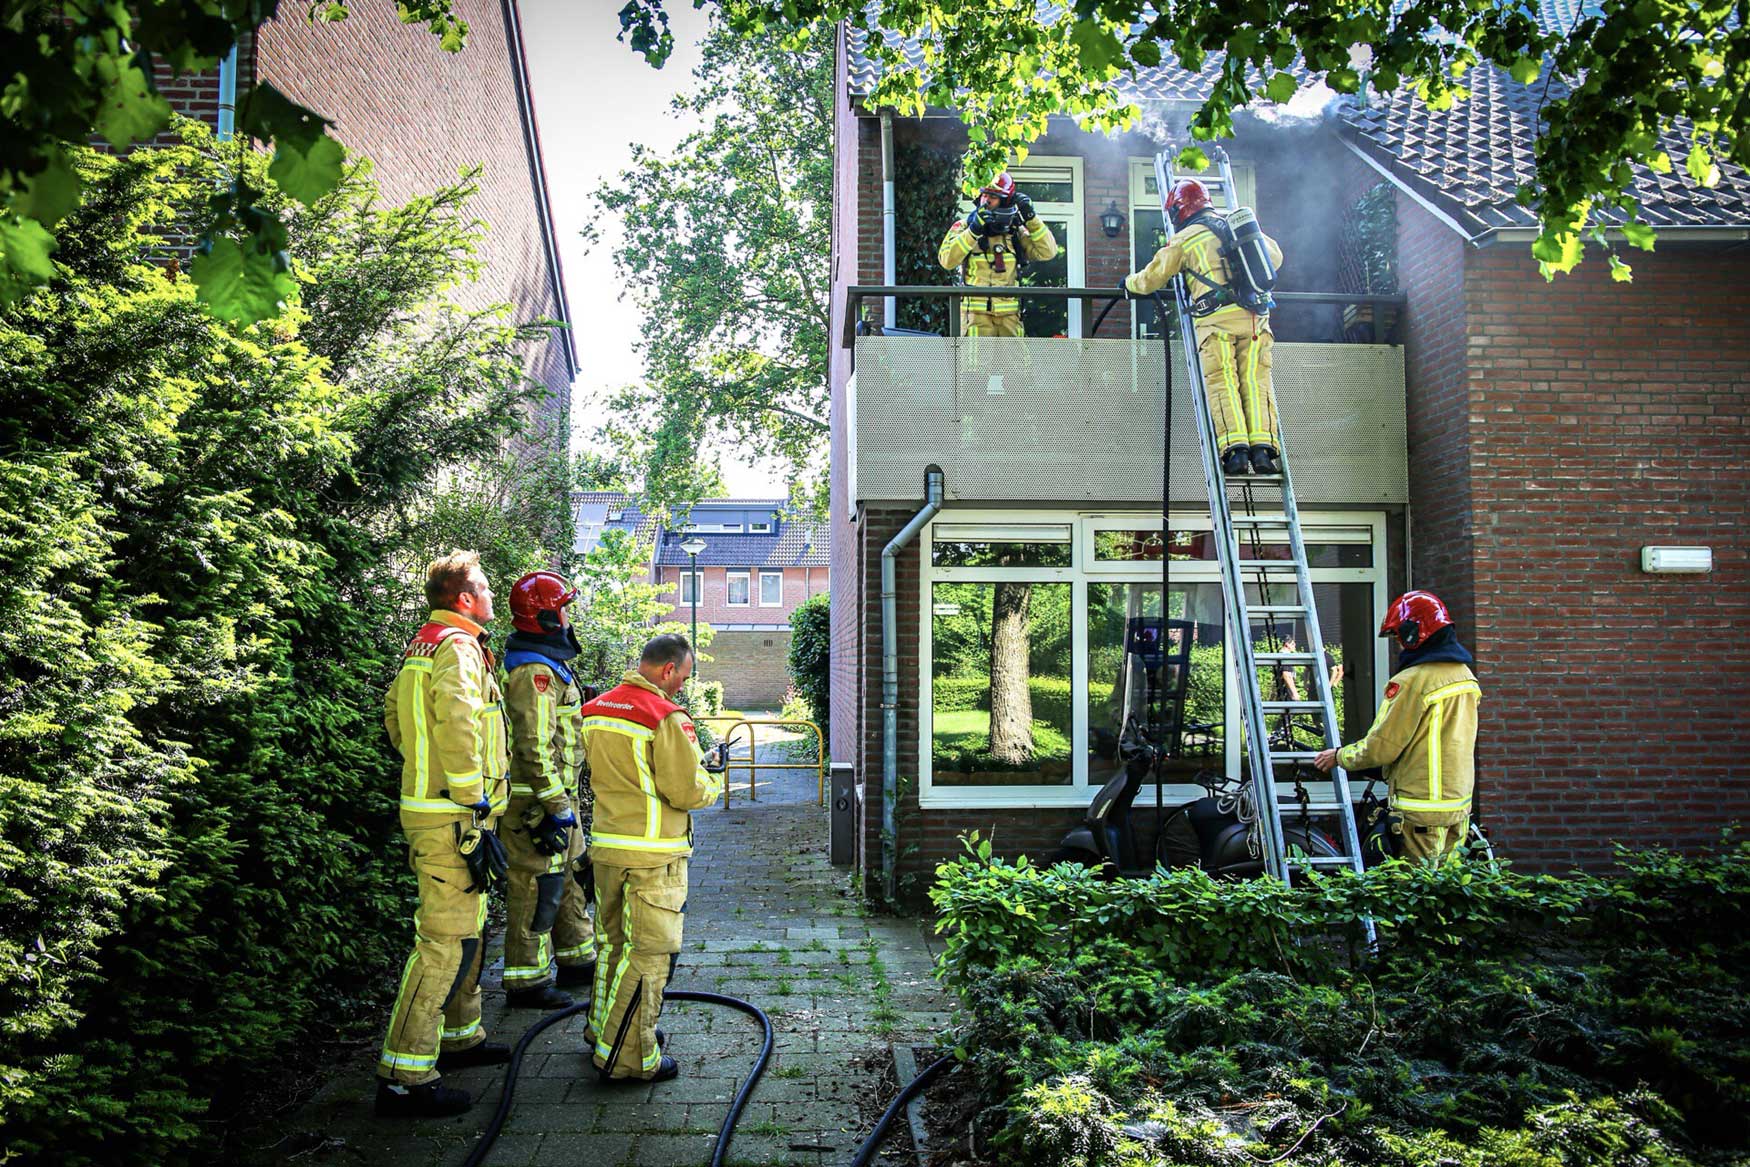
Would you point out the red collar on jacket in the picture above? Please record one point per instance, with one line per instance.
(439, 627)
(632, 702)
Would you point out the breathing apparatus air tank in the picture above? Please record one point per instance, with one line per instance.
(1248, 261)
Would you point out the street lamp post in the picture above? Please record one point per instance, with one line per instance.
(692, 547)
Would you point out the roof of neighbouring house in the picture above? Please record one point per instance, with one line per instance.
(1471, 159)
(596, 511)
(794, 544)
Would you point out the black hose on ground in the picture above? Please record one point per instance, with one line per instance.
(872, 1145)
(483, 1145)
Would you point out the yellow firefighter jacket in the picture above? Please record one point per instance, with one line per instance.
(1195, 249)
(445, 715)
(1425, 738)
(546, 723)
(989, 261)
(647, 774)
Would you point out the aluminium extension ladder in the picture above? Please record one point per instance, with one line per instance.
(1280, 762)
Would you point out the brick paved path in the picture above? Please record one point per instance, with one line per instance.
(769, 921)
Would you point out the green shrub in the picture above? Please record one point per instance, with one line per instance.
(959, 694)
(212, 536)
(811, 658)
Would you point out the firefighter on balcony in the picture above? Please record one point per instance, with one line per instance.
(647, 774)
(546, 919)
(1229, 268)
(987, 247)
(445, 716)
(1425, 734)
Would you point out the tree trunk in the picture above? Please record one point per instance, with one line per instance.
(1011, 702)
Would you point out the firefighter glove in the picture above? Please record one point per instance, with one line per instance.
(1025, 205)
(552, 835)
(488, 865)
(977, 221)
(1124, 290)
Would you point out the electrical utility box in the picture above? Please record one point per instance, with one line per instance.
(842, 792)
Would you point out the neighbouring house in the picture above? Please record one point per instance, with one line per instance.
(595, 512)
(421, 115)
(756, 566)
(1509, 443)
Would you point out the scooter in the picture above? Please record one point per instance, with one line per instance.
(1106, 839)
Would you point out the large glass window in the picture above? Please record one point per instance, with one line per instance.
(1001, 684)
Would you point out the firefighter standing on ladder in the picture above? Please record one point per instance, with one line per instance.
(1425, 734)
(987, 247)
(1234, 343)
(647, 774)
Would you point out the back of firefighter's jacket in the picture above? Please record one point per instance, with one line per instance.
(445, 714)
(1424, 738)
(646, 773)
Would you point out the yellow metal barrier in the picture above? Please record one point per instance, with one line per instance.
(753, 765)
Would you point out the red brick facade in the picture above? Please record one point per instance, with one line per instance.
(714, 607)
(420, 115)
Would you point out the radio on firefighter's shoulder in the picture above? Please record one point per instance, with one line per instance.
(1142, 639)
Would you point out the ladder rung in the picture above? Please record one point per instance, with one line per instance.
(1274, 609)
(1283, 656)
(1290, 706)
(1321, 860)
(1287, 565)
(1293, 755)
(1259, 520)
(1292, 807)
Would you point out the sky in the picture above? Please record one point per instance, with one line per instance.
(594, 98)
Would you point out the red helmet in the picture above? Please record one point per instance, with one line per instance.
(1187, 197)
(1002, 186)
(535, 593)
(1413, 617)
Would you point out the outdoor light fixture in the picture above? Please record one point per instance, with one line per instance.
(1112, 220)
(1677, 560)
(692, 547)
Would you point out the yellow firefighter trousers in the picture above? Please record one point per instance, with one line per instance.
(975, 323)
(438, 1005)
(1236, 350)
(545, 916)
(638, 915)
(1430, 837)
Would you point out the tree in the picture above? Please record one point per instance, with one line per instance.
(1625, 79)
(78, 71)
(1011, 698)
(726, 258)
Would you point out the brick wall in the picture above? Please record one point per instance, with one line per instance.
(420, 115)
(715, 608)
(753, 666)
(1604, 417)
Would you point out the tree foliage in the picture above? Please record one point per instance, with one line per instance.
(810, 660)
(1624, 78)
(725, 255)
(78, 70)
(207, 533)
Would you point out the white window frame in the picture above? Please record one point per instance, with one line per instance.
(764, 576)
(1078, 576)
(729, 578)
(759, 528)
(697, 579)
(1073, 244)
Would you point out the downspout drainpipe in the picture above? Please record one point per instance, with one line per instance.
(889, 308)
(227, 95)
(890, 677)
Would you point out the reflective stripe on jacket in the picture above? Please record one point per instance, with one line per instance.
(647, 774)
(445, 715)
(546, 735)
(1194, 249)
(962, 249)
(1424, 738)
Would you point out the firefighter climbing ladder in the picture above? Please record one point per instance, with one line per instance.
(1267, 755)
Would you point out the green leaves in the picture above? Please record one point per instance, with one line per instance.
(1281, 87)
(1525, 70)
(50, 194)
(24, 249)
(1097, 46)
(1701, 166)
(129, 109)
(241, 284)
(307, 173)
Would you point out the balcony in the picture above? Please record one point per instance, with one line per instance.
(1080, 420)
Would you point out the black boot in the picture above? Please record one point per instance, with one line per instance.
(666, 1070)
(1264, 460)
(432, 1100)
(577, 974)
(487, 1053)
(545, 997)
(1237, 461)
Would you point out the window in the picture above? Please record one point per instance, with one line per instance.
(1147, 231)
(759, 528)
(771, 589)
(691, 582)
(738, 589)
(1045, 638)
(1055, 186)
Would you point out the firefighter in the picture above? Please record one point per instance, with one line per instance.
(445, 716)
(546, 920)
(1425, 734)
(1234, 343)
(647, 774)
(987, 246)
